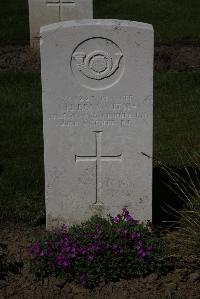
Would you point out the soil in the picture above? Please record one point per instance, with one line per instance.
(178, 57)
(18, 282)
(16, 58)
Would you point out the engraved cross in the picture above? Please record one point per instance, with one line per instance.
(60, 4)
(98, 158)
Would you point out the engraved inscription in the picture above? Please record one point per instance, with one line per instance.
(98, 158)
(59, 5)
(97, 63)
(98, 112)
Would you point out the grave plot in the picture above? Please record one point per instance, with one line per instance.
(176, 135)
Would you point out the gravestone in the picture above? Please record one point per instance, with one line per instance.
(97, 82)
(44, 12)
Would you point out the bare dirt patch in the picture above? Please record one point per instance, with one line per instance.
(168, 58)
(14, 58)
(183, 282)
(177, 58)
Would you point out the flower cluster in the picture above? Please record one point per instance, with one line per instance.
(124, 217)
(133, 236)
(98, 250)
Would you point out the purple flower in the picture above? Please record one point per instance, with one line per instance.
(65, 264)
(115, 246)
(98, 227)
(150, 248)
(62, 261)
(42, 253)
(35, 249)
(82, 251)
(115, 219)
(141, 253)
(84, 277)
(125, 211)
(83, 280)
(63, 228)
(90, 258)
(73, 252)
(128, 218)
(63, 251)
(116, 249)
(135, 235)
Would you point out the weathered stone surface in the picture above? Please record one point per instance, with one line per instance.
(97, 106)
(44, 12)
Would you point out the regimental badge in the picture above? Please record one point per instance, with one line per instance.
(97, 63)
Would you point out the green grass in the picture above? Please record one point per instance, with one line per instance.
(176, 117)
(14, 22)
(176, 127)
(21, 149)
(173, 20)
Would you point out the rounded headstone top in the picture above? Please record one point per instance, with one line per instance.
(97, 22)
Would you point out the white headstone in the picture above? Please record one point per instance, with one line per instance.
(44, 12)
(97, 81)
